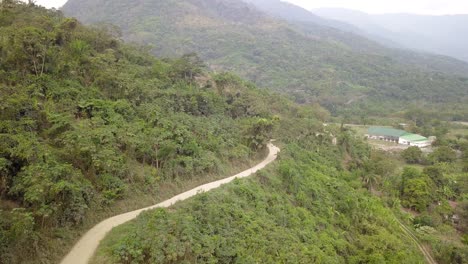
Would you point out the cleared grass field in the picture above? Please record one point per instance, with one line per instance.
(458, 132)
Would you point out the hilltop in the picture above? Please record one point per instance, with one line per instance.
(313, 63)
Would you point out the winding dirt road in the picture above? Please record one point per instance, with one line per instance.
(82, 252)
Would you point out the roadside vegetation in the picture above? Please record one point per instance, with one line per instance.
(90, 126)
(325, 203)
(308, 208)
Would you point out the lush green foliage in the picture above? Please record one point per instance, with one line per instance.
(429, 186)
(435, 195)
(307, 209)
(443, 154)
(343, 72)
(412, 154)
(84, 118)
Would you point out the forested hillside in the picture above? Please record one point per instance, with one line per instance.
(318, 204)
(91, 127)
(87, 123)
(314, 65)
(360, 39)
(306, 209)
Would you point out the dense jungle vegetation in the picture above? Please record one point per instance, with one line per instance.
(313, 63)
(87, 121)
(431, 186)
(90, 127)
(305, 209)
(312, 208)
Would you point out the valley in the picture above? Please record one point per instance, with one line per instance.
(310, 62)
(108, 107)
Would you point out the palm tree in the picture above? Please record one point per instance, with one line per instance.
(370, 180)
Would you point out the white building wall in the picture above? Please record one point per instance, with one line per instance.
(421, 144)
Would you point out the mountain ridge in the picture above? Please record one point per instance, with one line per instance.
(313, 63)
(440, 34)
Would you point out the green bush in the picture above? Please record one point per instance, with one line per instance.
(412, 155)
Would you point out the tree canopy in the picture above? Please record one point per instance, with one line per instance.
(85, 119)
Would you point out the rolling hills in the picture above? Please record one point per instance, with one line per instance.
(311, 62)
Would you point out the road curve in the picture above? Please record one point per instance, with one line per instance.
(84, 249)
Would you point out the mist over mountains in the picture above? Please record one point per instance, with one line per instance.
(445, 35)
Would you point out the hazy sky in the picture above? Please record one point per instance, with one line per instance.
(429, 7)
(433, 7)
(51, 3)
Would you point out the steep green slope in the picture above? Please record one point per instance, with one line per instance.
(312, 66)
(90, 127)
(307, 209)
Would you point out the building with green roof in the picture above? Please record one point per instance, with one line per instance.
(398, 136)
(414, 140)
(386, 131)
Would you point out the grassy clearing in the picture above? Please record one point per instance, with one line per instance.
(458, 132)
(360, 129)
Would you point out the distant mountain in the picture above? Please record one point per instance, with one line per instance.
(310, 61)
(353, 36)
(292, 12)
(297, 14)
(445, 35)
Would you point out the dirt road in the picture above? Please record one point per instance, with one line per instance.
(424, 251)
(461, 123)
(82, 252)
